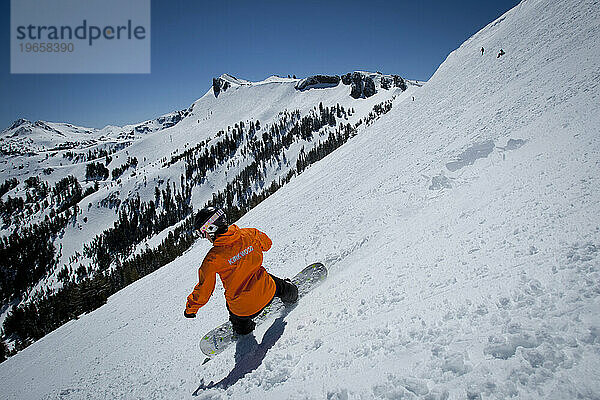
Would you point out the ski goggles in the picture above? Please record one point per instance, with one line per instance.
(208, 228)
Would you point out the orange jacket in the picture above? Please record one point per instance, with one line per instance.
(237, 257)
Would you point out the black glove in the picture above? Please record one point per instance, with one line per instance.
(185, 314)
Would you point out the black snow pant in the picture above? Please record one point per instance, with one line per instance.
(286, 291)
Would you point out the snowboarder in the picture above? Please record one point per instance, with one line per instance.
(501, 53)
(482, 50)
(237, 256)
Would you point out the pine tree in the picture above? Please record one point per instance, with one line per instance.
(4, 352)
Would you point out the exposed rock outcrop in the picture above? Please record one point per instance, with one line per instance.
(220, 85)
(318, 81)
(393, 81)
(362, 84)
(225, 81)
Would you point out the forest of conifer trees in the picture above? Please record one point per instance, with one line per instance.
(113, 263)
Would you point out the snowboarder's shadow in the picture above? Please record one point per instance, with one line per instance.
(249, 355)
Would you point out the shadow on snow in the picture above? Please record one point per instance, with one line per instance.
(249, 355)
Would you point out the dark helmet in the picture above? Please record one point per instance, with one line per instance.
(211, 221)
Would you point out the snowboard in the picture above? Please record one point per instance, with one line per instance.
(218, 339)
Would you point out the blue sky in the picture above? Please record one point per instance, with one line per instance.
(194, 41)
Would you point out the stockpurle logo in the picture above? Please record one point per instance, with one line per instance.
(80, 36)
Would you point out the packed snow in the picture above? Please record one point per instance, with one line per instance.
(462, 236)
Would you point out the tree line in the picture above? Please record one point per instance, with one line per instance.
(28, 253)
(30, 322)
(90, 288)
(111, 251)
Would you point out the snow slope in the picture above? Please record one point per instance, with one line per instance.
(54, 151)
(462, 234)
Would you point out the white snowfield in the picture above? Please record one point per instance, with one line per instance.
(243, 101)
(462, 236)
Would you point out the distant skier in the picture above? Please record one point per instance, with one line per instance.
(482, 50)
(237, 256)
(501, 53)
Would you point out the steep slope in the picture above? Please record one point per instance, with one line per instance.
(249, 135)
(461, 231)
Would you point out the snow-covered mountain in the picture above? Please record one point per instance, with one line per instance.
(460, 229)
(89, 199)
